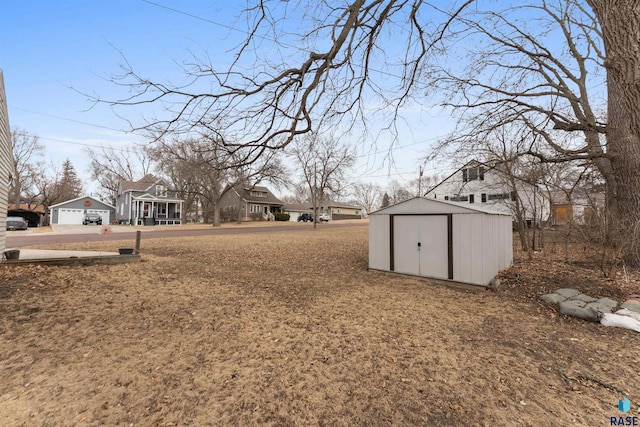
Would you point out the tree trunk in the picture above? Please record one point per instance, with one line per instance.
(620, 22)
(216, 213)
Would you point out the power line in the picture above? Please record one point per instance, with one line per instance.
(84, 144)
(68, 120)
(279, 42)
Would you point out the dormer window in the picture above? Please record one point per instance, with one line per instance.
(259, 194)
(473, 174)
(161, 191)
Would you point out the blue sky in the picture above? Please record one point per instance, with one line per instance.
(51, 50)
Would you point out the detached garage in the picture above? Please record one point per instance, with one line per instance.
(72, 211)
(441, 240)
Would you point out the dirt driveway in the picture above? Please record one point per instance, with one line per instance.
(291, 329)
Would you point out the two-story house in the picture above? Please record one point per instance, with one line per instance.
(148, 201)
(249, 203)
(487, 186)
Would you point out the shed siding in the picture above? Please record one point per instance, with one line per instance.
(379, 242)
(481, 241)
(6, 162)
(468, 248)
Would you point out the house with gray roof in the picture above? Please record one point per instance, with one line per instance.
(249, 203)
(148, 201)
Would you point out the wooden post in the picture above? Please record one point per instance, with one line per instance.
(138, 235)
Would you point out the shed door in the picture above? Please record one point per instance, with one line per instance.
(420, 245)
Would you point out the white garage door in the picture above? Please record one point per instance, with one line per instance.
(105, 214)
(293, 215)
(70, 216)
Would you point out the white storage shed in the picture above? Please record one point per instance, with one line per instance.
(441, 240)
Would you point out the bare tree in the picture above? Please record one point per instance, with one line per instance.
(110, 166)
(367, 195)
(27, 150)
(54, 184)
(342, 62)
(420, 186)
(548, 77)
(397, 192)
(203, 171)
(301, 193)
(323, 163)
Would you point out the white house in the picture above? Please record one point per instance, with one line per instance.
(442, 240)
(484, 185)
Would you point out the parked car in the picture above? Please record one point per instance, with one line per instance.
(17, 223)
(92, 218)
(323, 217)
(305, 217)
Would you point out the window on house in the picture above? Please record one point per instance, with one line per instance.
(446, 197)
(471, 198)
(459, 199)
(483, 197)
(513, 196)
(259, 194)
(499, 196)
(254, 208)
(161, 191)
(357, 212)
(473, 174)
(339, 211)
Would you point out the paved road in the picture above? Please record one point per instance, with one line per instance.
(20, 239)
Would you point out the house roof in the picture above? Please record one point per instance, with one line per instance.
(26, 207)
(298, 207)
(339, 205)
(489, 167)
(143, 184)
(427, 205)
(309, 206)
(79, 198)
(245, 193)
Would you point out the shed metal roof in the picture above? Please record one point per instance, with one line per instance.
(427, 205)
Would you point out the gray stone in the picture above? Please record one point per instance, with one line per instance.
(596, 306)
(576, 302)
(608, 302)
(570, 309)
(568, 292)
(552, 298)
(632, 305)
(583, 297)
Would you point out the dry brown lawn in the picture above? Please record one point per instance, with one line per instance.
(291, 328)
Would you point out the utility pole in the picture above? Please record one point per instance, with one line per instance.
(420, 182)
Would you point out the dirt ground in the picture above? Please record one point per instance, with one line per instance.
(292, 329)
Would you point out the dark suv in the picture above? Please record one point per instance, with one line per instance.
(92, 218)
(305, 217)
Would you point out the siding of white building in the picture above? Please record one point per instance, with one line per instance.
(441, 240)
(479, 185)
(6, 162)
